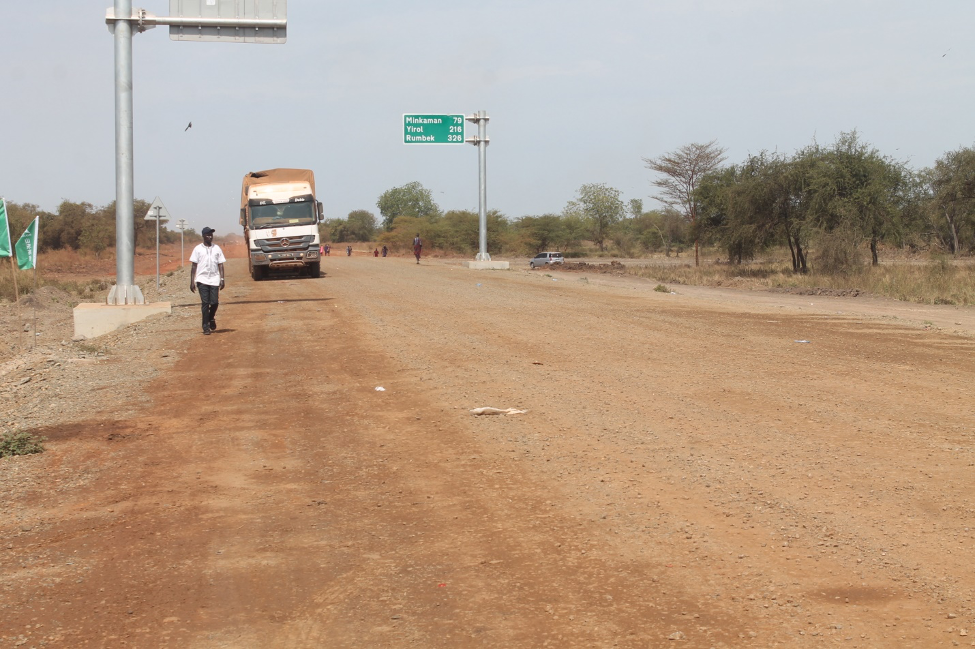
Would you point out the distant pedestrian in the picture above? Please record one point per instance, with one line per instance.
(383, 251)
(417, 247)
(328, 248)
(376, 252)
(322, 251)
(349, 251)
(207, 275)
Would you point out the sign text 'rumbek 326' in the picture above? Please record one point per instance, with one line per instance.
(434, 129)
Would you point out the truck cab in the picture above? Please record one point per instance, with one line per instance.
(281, 216)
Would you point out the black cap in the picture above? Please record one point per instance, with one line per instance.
(207, 231)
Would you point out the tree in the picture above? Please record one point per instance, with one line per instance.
(541, 233)
(410, 200)
(362, 225)
(458, 230)
(727, 215)
(744, 207)
(65, 229)
(853, 191)
(681, 171)
(952, 187)
(358, 226)
(636, 208)
(96, 236)
(602, 207)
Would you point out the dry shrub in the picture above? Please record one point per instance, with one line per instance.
(940, 281)
(838, 252)
(25, 281)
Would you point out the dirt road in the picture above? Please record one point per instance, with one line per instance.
(696, 469)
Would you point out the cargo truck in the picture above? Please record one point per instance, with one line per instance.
(280, 216)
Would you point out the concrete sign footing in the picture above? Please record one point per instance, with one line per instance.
(486, 264)
(121, 294)
(94, 319)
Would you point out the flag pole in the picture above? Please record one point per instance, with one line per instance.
(20, 329)
(34, 306)
(13, 268)
(7, 249)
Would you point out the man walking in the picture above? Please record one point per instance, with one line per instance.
(207, 275)
(417, 247)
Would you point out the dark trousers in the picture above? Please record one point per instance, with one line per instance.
(208, 303)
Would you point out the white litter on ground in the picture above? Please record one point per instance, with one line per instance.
(488, 410)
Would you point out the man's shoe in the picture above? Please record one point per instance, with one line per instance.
(207, 332)
(213, 325)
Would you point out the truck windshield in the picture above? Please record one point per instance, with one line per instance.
(276, 215)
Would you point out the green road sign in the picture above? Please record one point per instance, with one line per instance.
(434, 129)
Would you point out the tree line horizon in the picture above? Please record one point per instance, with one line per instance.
(836, 200)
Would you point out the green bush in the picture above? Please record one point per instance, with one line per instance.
(20, 443)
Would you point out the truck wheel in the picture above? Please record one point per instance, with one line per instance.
(257, 273)
(314, 270)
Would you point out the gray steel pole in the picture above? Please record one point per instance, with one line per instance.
(482, 189)
(124, 292)
(157, 247)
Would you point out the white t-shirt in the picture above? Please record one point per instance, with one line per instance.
(207, 258)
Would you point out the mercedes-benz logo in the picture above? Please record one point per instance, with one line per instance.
(284, 242)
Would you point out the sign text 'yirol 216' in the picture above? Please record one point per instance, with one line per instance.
(434, 129)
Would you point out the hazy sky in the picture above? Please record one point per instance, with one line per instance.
(578, 91)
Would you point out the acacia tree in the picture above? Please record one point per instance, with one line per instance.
(602, 207)
(362, 225)
(410, 200)
(540, 233)
(852, 188)
(681, 172)
(952, 187)
(358, 226)
(96, 235)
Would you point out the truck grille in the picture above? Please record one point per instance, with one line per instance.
(279, 244)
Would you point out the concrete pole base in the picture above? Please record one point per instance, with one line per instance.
(486, 265)
(121, 294)
(94, 319)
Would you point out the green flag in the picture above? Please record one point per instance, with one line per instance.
(4, 230)
(27, 247)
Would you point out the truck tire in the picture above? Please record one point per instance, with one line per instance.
(314, 270)
(258, 273)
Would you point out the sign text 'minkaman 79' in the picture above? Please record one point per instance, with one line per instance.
(434, 129)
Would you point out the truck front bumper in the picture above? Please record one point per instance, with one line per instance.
(287, 258)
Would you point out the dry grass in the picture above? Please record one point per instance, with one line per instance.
(936, 281)
(82, 289)
(78, 273)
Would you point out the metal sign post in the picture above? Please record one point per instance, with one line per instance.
(481, 141)
(181, 225)
(256, 21)
(157, 249)
(450, 129)
(157, 212)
